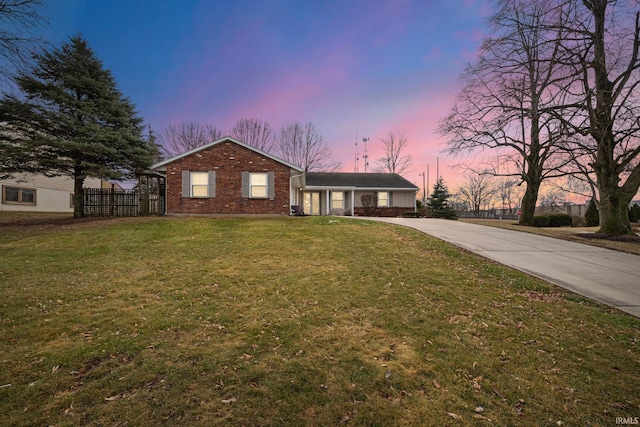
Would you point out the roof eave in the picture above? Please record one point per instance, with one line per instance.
(164, 163)
(329, 187)
(356, 188)
(389, 188)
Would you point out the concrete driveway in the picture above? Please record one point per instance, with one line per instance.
(604, 275)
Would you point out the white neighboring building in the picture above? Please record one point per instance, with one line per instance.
(38, 193)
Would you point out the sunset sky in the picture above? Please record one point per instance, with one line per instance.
(355, 68)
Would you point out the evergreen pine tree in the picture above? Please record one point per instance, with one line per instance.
(439, 201)
(591, 216)
(72, 121)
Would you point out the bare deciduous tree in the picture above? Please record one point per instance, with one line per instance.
(254, 132)
(179, 138)
(18, 20)
(506, 104)
(552, 198)
(603, 48)
(304, 146)
(508, 194)
(478, 191)
(395, 159)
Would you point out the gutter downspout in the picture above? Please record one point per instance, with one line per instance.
(297, 198)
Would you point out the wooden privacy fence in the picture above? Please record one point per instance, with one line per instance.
(116, 202)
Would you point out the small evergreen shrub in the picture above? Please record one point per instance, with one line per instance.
(553, 220)
(448, 213)
(591, 216)
(439, 202)
(560, 220)
(541, 221)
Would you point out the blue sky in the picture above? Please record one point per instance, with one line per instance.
(354, 68)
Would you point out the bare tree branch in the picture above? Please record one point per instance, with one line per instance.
(478, 191)
(395, 160)
(304, 146)
(18, 21)
(179, 138)
(604, 50)
(507, 103)
(254, 132)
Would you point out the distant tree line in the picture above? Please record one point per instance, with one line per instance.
(299, 143)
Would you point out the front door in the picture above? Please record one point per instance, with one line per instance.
(311, 203)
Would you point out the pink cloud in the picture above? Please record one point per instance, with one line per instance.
(338, 83)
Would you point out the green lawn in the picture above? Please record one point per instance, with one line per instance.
(294, 321)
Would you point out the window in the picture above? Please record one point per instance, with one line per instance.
(18, 195)
(257, 185)
(383, 199)
(199, 184)
(337, 200)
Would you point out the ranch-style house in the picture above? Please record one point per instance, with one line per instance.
(229, 177)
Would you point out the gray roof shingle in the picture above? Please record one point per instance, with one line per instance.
(358, 180)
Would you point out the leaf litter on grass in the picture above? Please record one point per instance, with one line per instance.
(381, 326)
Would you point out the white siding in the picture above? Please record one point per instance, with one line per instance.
(400, 199)
(52, 194)
(403, 199)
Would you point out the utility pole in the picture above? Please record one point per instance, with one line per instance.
(424, 189)
(427, 180)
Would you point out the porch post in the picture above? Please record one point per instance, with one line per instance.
(353, 201)
(328, 204)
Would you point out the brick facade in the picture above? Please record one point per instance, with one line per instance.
(228, 160)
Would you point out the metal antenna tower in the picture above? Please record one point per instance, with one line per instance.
(357, 158)
(366, 156)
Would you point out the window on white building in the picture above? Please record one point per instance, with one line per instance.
(18, 195)
(337, 200)
(383, 199)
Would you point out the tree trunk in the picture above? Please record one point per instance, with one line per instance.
(529, 201)
(78, 197)
(533, 179)
(614, 151)
(614, 210)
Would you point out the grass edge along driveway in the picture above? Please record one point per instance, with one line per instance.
(295, 321)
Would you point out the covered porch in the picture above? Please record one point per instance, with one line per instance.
(328, 200)
(340, 193)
